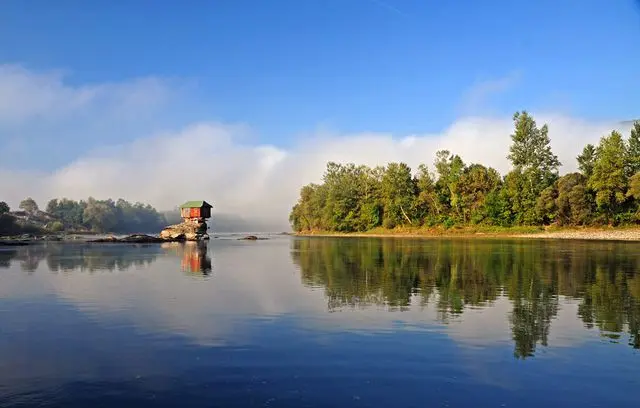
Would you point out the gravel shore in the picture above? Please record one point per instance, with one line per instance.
(608, 235)
(622, 234)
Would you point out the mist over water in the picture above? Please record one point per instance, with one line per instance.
(321, 322)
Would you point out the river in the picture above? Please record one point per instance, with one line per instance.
(321, 322)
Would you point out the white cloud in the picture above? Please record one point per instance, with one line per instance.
(27, 95)
(210, 161)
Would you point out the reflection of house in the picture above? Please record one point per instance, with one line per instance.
(195, 259)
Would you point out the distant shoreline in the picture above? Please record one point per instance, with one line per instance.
(590, 233)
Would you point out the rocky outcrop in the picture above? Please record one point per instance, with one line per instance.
(139, 239)
(251, 238)
(191, 231)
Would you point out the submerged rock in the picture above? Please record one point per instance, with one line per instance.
(138, 239)
(251, 238)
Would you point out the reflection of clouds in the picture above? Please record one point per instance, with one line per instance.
(122, 327)
(250, 280)
(253, 280)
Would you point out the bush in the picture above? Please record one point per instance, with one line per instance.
(55, 226)
(448, 222)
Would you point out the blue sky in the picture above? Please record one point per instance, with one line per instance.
(286, 68)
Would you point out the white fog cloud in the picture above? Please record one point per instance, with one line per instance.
(211, 160)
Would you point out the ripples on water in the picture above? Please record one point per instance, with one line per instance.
(295, 322)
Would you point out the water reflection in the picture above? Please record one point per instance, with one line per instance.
(458, 275)
(106, 257)
(195, 258)
(82, 257)
(373, 323)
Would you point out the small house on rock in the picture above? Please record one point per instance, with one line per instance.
(195, 211)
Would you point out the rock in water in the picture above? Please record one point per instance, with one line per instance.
(189, 230)
(133, 239)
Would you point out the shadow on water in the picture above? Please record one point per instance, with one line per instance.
(459, 274)
(82, 257)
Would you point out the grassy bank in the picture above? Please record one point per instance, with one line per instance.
(631, 233)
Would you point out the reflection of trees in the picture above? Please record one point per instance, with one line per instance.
(92, 257)
(456, 274)
(6, 255)
(28, 256)
(82, 256)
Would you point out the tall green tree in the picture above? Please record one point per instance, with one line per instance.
(547, 204)
(587, 159)
(4, 207)
(633, 152)
(575, 203)
(535, 167)
(427, 204)
(398, 194)
(100, 215)
(609, 178)
(634, 186)
(471, 190)
(449, 168)
(531, 148)
(344, 195)
(29, 205)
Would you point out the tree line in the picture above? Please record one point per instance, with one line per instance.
(92, 215)
(605, 190)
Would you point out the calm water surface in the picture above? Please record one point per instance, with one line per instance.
(315, 322)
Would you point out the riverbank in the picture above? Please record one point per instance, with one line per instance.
(587, 233)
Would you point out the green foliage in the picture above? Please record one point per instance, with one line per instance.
(106, 215)
(10, 226)
(633, 158)
(634, 186)
(29, 205)
(574, 202)
(609, 178)
(586, 160)
(397, 190)
(4, 207)
(531, 149)
(56, 226)
(358, 198)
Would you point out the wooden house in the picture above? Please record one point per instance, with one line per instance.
(195, 210)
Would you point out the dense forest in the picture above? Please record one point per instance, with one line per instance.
(91, 215)
(605, 191)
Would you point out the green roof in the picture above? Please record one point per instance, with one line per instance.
(196, 204)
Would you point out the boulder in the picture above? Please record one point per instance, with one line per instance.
(189, 231)
(132, 239)
(251, 238)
